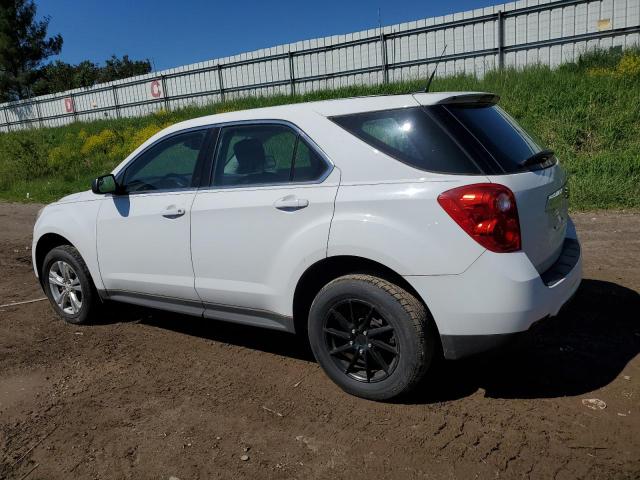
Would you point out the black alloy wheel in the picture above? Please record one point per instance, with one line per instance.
(373, 338)
(361, 342)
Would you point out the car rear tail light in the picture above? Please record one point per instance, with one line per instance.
(487, 212)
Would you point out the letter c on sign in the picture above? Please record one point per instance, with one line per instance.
(155, 89)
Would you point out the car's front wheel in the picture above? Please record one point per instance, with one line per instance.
(371, 337)
(68, 285)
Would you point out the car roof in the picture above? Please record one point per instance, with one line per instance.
(341, 106)
(302, 113)
(305, 115)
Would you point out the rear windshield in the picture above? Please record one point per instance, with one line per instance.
(500, 134)
(456, 139)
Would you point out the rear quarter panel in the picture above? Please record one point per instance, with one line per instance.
(402, 226)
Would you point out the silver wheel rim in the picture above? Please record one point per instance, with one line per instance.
(65, 287)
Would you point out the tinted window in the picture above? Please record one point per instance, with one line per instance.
(412, 135)
(254, 154)
(168, 165)
(264, 155)
(500, 134)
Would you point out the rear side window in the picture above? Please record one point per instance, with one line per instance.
(412, 135)
(504, 139)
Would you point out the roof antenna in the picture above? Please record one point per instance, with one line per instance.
(426, 89)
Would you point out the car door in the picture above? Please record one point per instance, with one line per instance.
(262, 222)
(144, 232)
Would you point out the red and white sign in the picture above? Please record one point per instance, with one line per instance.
(69, 107)
(155, 88)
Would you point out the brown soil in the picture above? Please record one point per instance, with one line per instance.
(154, 395)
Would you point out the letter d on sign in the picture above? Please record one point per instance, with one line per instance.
(156, 91)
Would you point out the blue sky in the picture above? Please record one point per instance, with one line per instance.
(173, 33)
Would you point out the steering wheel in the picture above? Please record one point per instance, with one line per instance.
(179, 180)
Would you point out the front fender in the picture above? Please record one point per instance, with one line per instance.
(76, 222)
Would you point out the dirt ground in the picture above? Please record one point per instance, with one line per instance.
(155, 395)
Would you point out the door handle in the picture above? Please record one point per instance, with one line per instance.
(291, 203)
(173, 212)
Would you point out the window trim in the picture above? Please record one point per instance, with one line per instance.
(200, 162)
(208, 185)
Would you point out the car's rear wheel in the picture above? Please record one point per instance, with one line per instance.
(371, 337)
(68, 285)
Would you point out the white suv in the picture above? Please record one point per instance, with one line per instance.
(391, 229)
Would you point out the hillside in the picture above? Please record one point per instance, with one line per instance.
(587, 111)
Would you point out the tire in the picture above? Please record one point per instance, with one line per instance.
(76, 285)
(395, 318)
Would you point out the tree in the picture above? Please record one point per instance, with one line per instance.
(116, 68)
(24, 45)
(59, 76)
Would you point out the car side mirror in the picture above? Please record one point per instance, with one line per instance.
(105, 184)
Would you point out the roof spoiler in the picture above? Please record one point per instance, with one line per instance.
(475, 99)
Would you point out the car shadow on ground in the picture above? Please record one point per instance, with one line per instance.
(583, 349)
(270, 341)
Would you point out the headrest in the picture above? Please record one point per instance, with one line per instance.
(250, 156)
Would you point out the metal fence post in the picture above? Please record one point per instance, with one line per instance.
(38, 113)
(220, 84)
(292, 76)
(116, 104)
(75, 110)
(163, 79)
(385, 64)
(500, 40)
(6, 119)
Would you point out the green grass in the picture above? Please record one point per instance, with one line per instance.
(587, 111)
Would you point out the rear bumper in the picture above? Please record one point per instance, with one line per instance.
(497, 297)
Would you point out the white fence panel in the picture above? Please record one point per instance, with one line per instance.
(513, 34)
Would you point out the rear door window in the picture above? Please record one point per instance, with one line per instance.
(255, 154)
(265, 155)
(414, 136)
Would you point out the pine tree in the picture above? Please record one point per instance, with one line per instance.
(24, 45)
